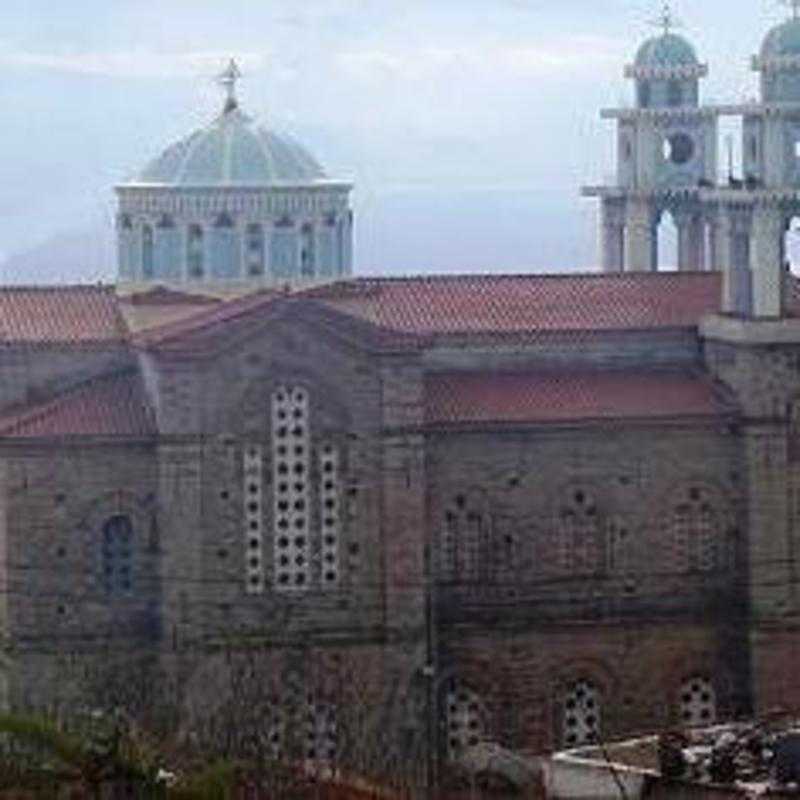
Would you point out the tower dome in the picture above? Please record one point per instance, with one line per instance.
(783, 40)
(779, 63)
(666, 51)
(234, 202)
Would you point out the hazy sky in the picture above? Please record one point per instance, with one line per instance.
(467, 126)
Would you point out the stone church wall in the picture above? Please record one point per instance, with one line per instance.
(576, 557)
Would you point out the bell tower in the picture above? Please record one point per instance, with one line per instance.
(666, 152)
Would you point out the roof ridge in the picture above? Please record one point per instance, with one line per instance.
(489, 277)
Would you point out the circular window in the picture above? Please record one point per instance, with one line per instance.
(679, 148)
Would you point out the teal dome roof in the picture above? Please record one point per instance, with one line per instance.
(782, 40)
(233, 151)
(668, 50)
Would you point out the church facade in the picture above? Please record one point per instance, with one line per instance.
(528, 510)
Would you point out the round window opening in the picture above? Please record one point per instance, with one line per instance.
(679, 148)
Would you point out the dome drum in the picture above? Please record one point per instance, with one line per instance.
(234, 203)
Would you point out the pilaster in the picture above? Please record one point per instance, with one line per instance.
(612, 233)
(640, 236)
(766, 263)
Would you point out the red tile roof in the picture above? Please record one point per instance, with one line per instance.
(528, 303)
(114, 405)
(552, 397)
(60, 315)
(471, 305)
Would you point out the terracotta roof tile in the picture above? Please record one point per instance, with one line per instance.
(527, 303)
(474, 305)
(60, 315)
(536, 397)
(113, 405)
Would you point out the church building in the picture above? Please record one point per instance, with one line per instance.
(526, 510)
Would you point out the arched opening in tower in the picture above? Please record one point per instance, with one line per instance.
(791, 245)
(667, 243)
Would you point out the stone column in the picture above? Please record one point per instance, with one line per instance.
(724, 260)
(612, 233)
(639, 236)
(766, 262)
(697, 244)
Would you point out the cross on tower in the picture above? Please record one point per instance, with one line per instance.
(228, 80)
(794, 5)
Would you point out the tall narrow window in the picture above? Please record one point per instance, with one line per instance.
(464, 544)
(117, 556)
(463, 719)
(254, 250)
(308, 254)
(581, 714)
(291, 443)
(321, 732)
(329, 513)
(148, 258)
(694, 532)
(195, 252)
(253, 518)
(580, 536)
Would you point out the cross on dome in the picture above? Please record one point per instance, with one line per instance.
(228, 80)
(667, 21)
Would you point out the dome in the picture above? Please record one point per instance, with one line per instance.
(782, 40)
(233, 151)
(668, 50)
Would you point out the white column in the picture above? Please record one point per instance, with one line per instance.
(612, 234)
(639, 236)
(766, 263)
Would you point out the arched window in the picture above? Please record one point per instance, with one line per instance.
(464, 543)
(580, 714)
(117, 556)
(464, 719)
(695, 532)
(697, 702)
(674, 93)
(195, 252)
(148, 258)
(254, 250)
(580, 539)
(166, 222)
(125, 223)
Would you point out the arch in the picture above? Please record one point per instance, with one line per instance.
(464, 541)
(666, 250)
(791, 245)
(579, 527)
(166, 222)
(698, 530)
